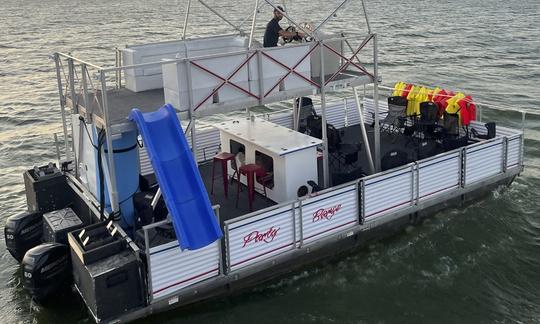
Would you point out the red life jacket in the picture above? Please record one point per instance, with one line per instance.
(467, 110)
(406, 90)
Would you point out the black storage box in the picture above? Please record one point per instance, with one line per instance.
(46, 189)
(108, 276)
(58, 223)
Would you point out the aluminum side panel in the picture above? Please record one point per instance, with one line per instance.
(261, 237)
(172, 269)
(388, 192)
(439, 175)
(329, 213)
(483, 161)
(514, 152)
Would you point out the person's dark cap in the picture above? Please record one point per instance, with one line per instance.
(280, 8)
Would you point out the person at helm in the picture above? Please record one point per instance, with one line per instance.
(274, 30)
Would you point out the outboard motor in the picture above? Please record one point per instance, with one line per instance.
(46, 270)
(23, 232)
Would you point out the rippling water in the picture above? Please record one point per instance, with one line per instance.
(479, 264)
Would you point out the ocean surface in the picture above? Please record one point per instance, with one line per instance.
(476, 264)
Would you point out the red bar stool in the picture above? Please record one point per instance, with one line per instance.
(250, 171)
(223, 158)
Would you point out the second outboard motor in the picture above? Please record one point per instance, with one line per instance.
(23, 232)
(46, 270)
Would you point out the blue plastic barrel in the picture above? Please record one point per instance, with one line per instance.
(126, 162)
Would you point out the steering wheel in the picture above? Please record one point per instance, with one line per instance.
(290, 39)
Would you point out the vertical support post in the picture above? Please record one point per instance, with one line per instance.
(116, 64)
(220, 242)
(357, 200)
(227, 248)
(84, 73)
(75, 104)
(479, 113)
(413, 200)
(363, 200)
(113, 190)
(294, 226)
(186, 17)
(260, 75)
(377, 132)
(364, 132)
(56, 144)
(463, 154)
(417, 179)
(522, 147)
(191, 117)
(346, 113)
(253, 21)
(504, 159)
(366, 15)
(149, 268)
(523, 122)
(72, 93)
(301, 224)
(296, 114)
(326, 170)
(62, 103)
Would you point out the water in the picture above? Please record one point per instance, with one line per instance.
(478, 264)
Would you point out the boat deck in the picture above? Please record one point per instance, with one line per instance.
(339, 172)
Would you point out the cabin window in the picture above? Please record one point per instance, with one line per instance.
(267, 163)
(236, 147)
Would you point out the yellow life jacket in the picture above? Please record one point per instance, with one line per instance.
(433, 93)
(421, 96)
(398, 89)
(411, 97)
(452, 103)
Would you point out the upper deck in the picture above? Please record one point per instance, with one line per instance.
(206, 76)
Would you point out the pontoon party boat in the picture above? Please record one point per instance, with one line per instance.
(153, 205)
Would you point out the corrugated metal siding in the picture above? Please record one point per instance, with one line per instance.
(483, 161)
(388, 192)
(439, 175)
(146, 166)
(514, 151)
(260, 237)
(283, 119)
(340, 208)
(335, 113)
(208, 145)
(369, 110)
(173, 269)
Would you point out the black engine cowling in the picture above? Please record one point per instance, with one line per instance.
(46, 270)
(23, 232)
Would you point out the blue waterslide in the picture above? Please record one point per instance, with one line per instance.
(176, 171)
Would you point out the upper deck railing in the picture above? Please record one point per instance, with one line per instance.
(217, 83)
